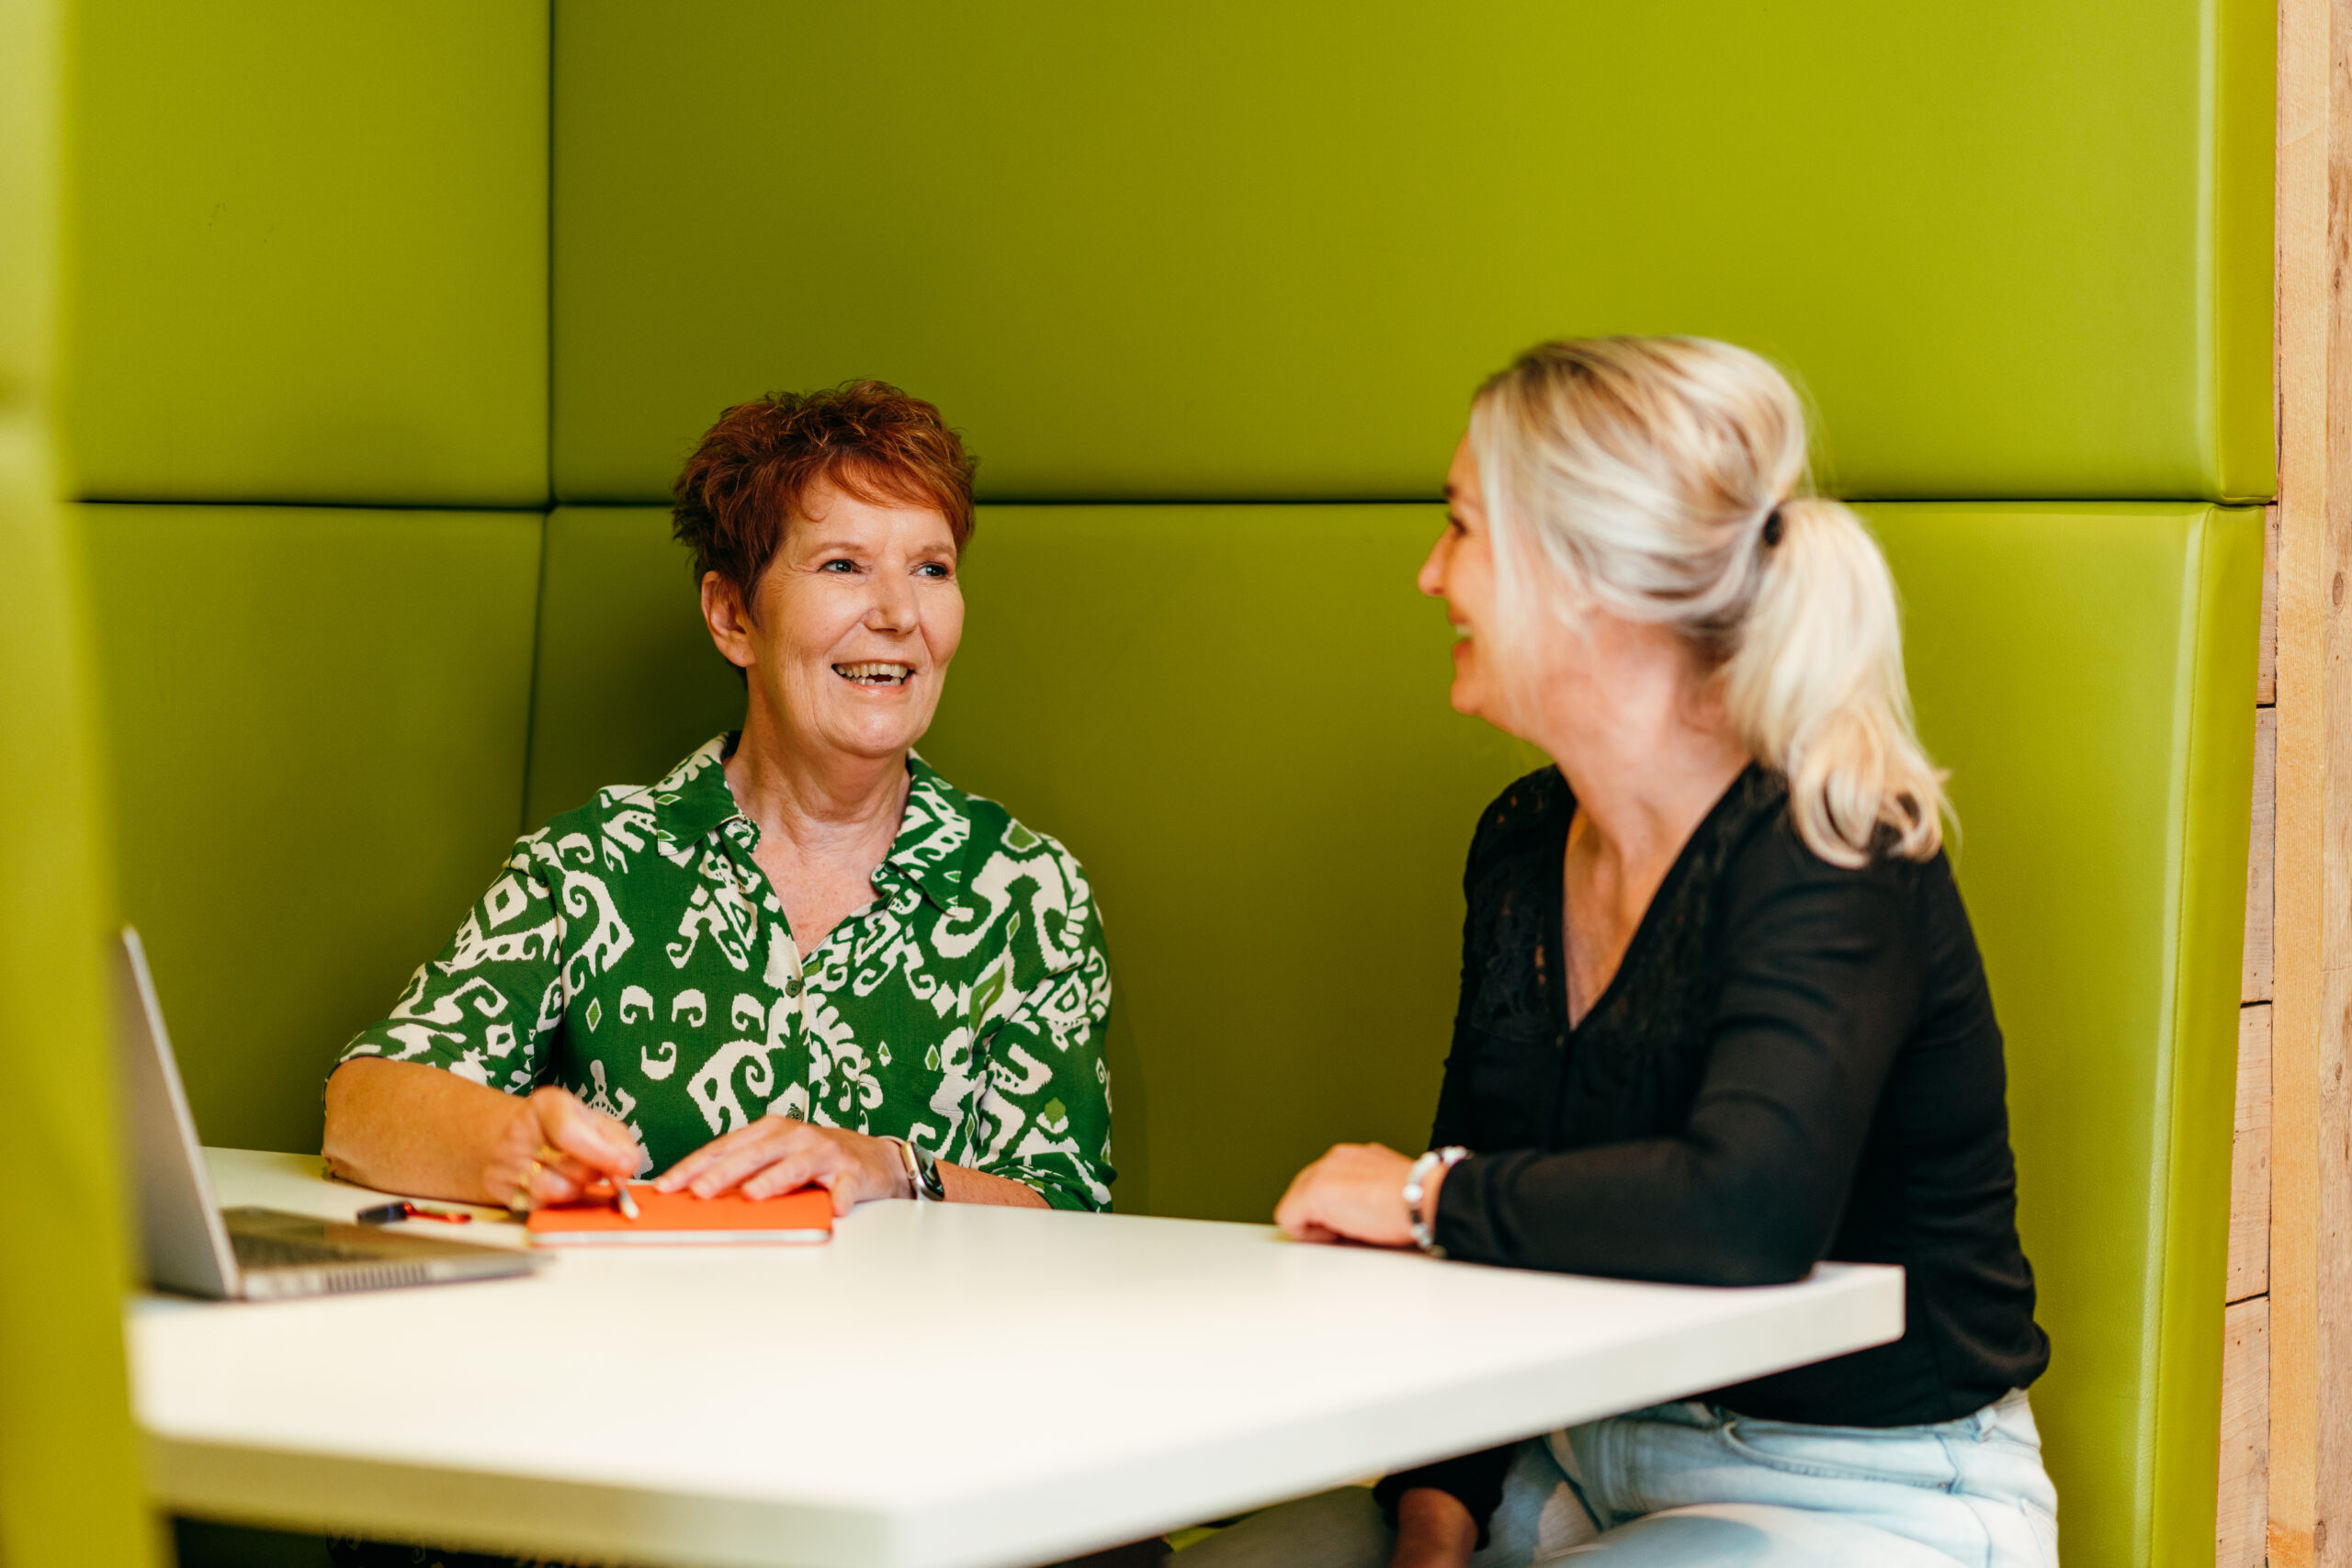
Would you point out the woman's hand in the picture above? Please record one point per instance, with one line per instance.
(1434, 1530)
(412, 1129)
(776, 1153)
(552, 1148)
(1356, 1192)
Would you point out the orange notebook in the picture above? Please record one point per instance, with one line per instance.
(681, 1219)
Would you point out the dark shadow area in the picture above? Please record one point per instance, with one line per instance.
(200, 1543)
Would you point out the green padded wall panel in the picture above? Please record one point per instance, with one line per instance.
(2087, 675)
(628, 681)
(318, 721)
(1232, 251)
(309, 256)
(1115, 665)
(1236, 717)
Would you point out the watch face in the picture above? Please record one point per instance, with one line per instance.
(926, 1173)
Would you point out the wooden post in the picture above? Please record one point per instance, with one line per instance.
(2310, 1339)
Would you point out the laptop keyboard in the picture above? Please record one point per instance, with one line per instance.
(276, 1252)
(290, 1255)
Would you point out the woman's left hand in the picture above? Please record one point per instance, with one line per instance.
(776, 1153)
(1356, 1192)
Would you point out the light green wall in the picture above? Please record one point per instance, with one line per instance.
(1231, 251)
(309, 254)
(318, 719)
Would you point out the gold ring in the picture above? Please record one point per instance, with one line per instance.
(521, 1202)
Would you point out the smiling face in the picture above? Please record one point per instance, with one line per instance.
(1560, 680)
(853, 624)
(1461, 571)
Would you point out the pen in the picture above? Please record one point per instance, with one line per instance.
(392, 1213)
(627, 1204)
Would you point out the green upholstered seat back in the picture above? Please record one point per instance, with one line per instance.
(1228, 251)
(306, 261)
(1236, 717)
(1266, 786)
(318, 721)
(309, 252)
(2100, 746)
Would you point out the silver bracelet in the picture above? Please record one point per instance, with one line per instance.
(1416, 1188)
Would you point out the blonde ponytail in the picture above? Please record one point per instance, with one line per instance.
(1814, 686)
(1663, 478)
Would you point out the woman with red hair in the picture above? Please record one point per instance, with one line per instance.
(802, 956)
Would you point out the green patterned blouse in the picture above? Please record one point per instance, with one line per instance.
(633, 952)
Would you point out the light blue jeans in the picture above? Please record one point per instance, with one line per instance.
(1693, 1485)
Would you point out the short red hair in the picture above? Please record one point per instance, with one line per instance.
(753, 470)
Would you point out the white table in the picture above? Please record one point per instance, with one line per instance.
(940, 1387)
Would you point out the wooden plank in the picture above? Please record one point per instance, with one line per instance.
(2256, 977)
(2250, 1160)
(2241, 1535)
(2306, 312)
(2331, 1161)
(2266, 670)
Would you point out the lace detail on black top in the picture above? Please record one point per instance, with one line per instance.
(1630, 1067)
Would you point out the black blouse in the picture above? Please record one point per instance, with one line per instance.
(1795, 1061)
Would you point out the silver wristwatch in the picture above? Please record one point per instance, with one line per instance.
(1416, 1184)
(923, 1173)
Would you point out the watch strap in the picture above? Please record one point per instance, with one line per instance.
(923, 1183)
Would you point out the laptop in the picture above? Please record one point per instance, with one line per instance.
(193, 1246)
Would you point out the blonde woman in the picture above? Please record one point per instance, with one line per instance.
(1722, 1012)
